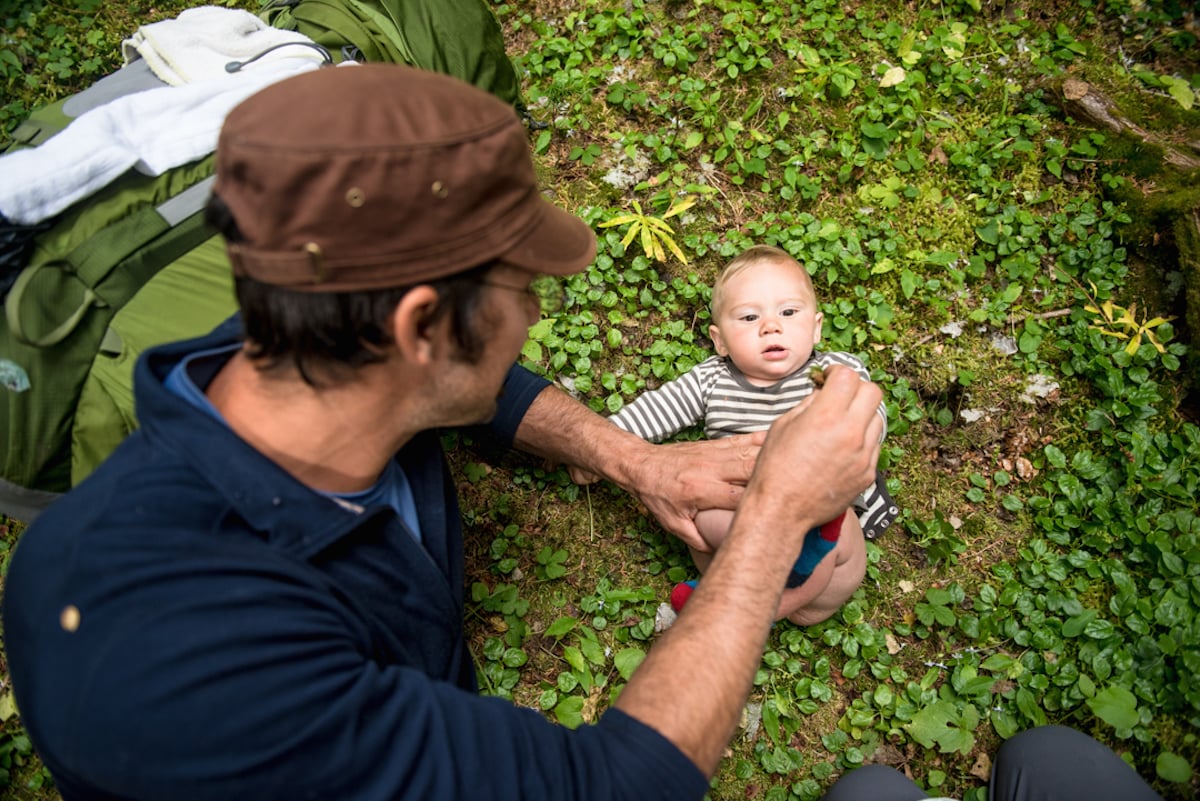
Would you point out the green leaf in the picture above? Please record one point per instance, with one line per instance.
(569, 712)
(1173, 768)
(1029, 707)
(989, 233)
(531, 351)
(627, 661)
(574, 658)
(693, 139)
(1005, 723)
(942, 726)
(1075, 626)
(997, 662)
(1181, 91)
(1116, 706)
(561, 626)
(1055, 456)
(514, 657)
(593, 650)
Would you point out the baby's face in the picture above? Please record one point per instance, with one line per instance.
(768, 321)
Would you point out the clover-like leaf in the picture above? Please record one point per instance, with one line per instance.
(1116, 706)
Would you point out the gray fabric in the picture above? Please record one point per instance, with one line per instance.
(1049, 763)
(1055, 763)
(186, 203)
(130, 79)
(22, 503)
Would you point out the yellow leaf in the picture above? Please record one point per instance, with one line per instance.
(679, 207)
(1156, 322)
(658, 225)
(670, 243)
(622, 220)
(1127, 319)
(1133, 346)
(1107, 333)
(630, 234)
(893, 77)
(647, 242)
(659, 253)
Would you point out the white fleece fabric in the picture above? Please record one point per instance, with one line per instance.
(199, 43)
(153, 131)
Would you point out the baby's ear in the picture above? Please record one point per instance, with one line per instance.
(714, 333)
(818, 324)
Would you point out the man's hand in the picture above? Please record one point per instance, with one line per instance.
(674, 481)
(821, 454)
(677, 480)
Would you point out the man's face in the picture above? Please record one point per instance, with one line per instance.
(506, 312)
(768, 321)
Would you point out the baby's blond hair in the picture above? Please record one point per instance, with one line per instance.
(758, 254)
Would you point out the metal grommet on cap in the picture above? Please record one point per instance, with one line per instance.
(355, 197)
(69, 618)
(439, 189)
(317, 257)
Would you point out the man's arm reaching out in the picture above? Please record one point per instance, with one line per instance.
(673, 481)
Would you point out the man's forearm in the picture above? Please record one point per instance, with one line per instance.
(563, 430)
(673, 481)
(716, 643)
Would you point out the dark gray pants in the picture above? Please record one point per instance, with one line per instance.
(1050, 763)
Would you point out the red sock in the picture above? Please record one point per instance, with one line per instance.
(680, 594)
(833, 529)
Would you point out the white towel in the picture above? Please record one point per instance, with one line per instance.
(197, 44)
(153, 130)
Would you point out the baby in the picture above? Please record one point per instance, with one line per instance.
(765, 323)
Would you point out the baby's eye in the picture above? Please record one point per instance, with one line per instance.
(788, 312)
(748, 318)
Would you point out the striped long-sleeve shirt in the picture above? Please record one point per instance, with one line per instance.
(717, 394)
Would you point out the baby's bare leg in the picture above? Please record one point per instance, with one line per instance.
(713, 525)
(831, 584)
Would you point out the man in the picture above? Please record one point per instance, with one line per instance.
(260, 594)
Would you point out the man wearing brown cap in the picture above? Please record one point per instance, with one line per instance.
(260, 594)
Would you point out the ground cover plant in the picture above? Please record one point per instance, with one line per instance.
(989, 258)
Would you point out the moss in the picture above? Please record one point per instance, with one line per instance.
(1187, 242)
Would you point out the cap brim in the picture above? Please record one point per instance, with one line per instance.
(559, 243)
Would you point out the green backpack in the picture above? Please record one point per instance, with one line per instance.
(455, 37)
(134, 265)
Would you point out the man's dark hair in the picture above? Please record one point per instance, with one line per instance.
(320, 333)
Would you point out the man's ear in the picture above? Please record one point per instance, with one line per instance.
(818, 324)
(714, 333)
(412, 328)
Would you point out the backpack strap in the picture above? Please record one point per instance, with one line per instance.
(94, 258)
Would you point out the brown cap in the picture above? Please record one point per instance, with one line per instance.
(374, 176)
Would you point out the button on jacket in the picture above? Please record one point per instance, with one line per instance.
(193, 623)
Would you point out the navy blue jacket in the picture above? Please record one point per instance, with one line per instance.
(193, 623)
